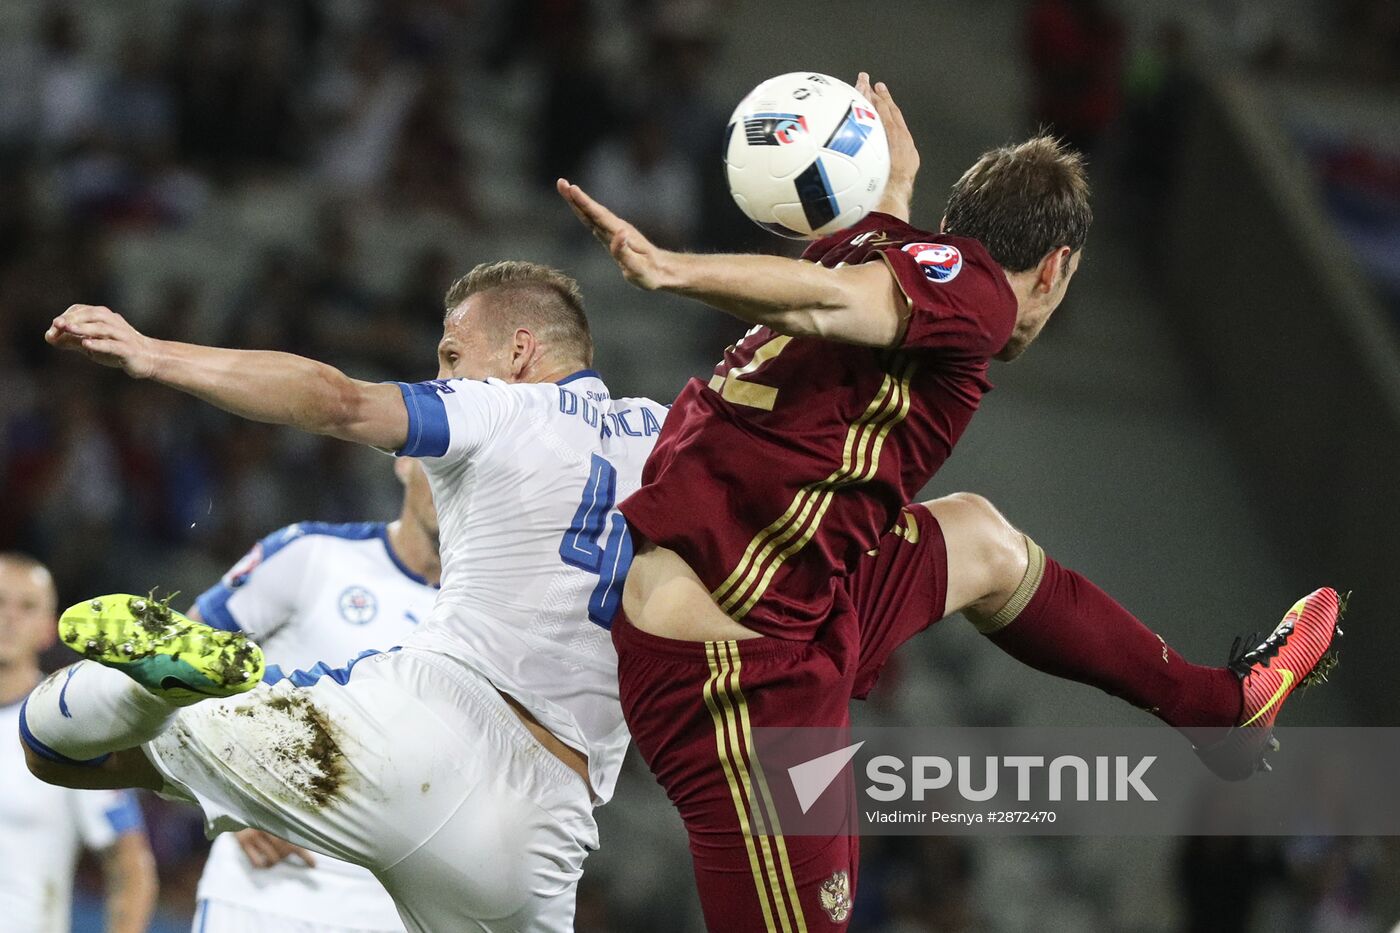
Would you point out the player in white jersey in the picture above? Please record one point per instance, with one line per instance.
(463, 769)
(43, 828)
(307, 592)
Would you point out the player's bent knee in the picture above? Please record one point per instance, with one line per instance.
(50, 772)
(986, 553)
(973, 524)
(129, 768)
(41, 768)
(974, 508)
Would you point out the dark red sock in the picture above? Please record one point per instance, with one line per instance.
(1072, 629)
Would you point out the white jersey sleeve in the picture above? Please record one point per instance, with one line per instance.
(452, 419)
(259, 593)
(104, 815)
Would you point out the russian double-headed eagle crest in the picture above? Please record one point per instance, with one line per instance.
(835, 896)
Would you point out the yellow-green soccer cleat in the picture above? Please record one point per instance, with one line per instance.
(174, 657)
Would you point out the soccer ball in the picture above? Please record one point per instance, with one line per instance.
(806, 155)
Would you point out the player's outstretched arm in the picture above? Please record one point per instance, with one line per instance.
(260, 385)
(904, 155)
(859, 304)
(129, 876)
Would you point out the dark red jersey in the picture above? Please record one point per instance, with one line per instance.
(773, 478)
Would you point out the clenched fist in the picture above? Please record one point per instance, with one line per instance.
(105, 337)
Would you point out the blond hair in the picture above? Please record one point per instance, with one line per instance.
(535, 296)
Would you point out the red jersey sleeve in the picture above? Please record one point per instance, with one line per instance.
(857, 242)
(960, 304)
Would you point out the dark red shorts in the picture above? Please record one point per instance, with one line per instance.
(692, 706)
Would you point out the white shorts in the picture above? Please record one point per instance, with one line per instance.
(214, 916)
(415, 768)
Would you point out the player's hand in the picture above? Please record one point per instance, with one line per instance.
(642, 262)
(104, 337)
(904, 155)
(265, 850)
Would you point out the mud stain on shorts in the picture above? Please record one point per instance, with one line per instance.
(293, 744)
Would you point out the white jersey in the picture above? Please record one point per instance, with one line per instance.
(526, 478)
(309, 594)
(42, 829)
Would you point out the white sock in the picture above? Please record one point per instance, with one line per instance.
(85, 711)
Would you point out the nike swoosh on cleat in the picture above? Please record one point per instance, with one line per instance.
(175, 683)
(1287, 676)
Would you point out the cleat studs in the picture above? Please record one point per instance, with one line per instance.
(1273, 744)
(1320, 673)
(1265, 766)
(95, 605)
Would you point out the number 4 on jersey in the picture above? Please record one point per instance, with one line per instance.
(597, 541)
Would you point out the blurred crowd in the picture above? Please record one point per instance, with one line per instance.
(115, 126)
(145, 130)
(119, 125)
(1114, 77)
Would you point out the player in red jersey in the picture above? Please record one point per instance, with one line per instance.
(778, 562)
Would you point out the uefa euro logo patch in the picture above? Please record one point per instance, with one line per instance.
(939, 261)
(774, 129)
(358, 606)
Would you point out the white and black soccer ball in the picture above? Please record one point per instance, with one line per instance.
(806, 155)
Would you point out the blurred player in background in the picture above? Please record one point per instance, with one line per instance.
(781, 559)
(311, 591)
(463, 769)
(43, 828)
